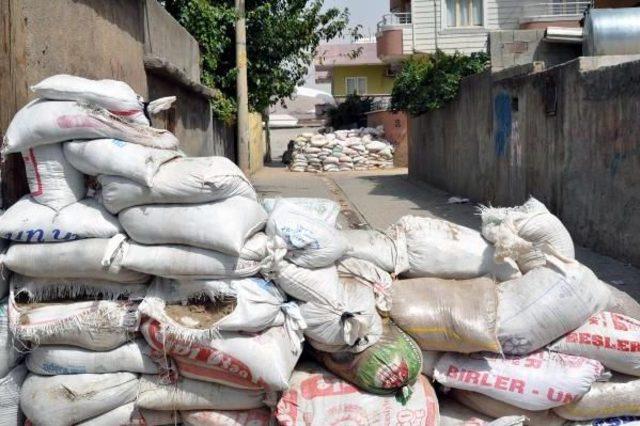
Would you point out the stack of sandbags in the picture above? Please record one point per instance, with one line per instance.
(74, 319)
(342, 151)
(508, 316)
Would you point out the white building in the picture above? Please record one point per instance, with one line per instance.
(421, 26)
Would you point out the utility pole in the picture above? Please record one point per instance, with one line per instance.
(242, 88)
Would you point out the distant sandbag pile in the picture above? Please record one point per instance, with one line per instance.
(342, 151)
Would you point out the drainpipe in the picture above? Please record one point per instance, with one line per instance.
(435, 21)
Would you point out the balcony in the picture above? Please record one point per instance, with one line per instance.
(394, 37)
(556, 14)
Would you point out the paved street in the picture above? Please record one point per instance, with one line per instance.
(377, 199)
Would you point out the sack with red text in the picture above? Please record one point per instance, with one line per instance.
(618, 397)
(547, 303)
(317, 397)
(43, 122)
(495, 409)
(53, 181)
(453, 413)
(253, 361)
(612, 339)
(538, 381)
(254, 417)
(438, 248)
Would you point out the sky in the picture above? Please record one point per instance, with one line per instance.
(364, 12)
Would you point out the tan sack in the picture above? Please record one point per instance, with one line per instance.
(494, 408)
(441, 315)
(618, 397)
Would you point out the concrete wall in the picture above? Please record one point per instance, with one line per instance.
(567, 135)
(100, 39)
(519, 47)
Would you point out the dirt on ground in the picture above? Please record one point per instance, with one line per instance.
(200, 314)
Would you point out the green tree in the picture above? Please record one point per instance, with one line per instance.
(282, 39)
(428, 82)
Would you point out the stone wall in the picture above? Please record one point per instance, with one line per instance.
(567, 135)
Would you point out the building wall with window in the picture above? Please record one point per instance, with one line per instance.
(377, 81)
(462, 25)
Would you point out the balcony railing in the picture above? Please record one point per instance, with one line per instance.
(557, 9)
(391, 19)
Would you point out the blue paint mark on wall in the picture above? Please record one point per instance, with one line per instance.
(502, 124)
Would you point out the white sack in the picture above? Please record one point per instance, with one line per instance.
(310, 243)
(189, 394)
(10, 350)
(369, 274)
(318, 398)
(320, 286)
(618, 397)
(438, 248)
(622, 303)
(116, 96)
(258, 304)
(376, 247)
(45, 289)
(180, 181)
(547, 303)
(67, 400)
(98, 326)
(612, 339)
(255, 361)
(51, 360)
(30, 222)
(10, 385)
(182, 262)
(322, 208)
(519, 232)
(350, 323)
(43, 122)
(130, 415)
(115, 157)
(222, 226)
(71, 259)
(52, 180)
(254, 417)
(538, 381)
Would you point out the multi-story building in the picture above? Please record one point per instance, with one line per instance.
(422, 26)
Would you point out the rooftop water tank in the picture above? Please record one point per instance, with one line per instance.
(611, 32)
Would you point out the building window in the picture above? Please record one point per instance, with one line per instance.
(464, 13)
(357, 85)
